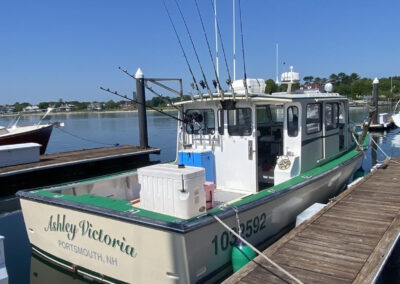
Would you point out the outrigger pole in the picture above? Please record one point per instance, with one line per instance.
(216, 37)
(209, 51)
(140, 103)
(155, 81)
(205, 83)
(183, 51)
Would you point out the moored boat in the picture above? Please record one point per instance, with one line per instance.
(253, 160)
(36, 133)
(29, 133)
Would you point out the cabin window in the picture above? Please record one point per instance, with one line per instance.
(201, 121)
(263, 114)
(331, 116)
(277, 113)
(313, 121)
(239, 122)
(221, 122)
(292, 121)
(269, 113)
(342, 115)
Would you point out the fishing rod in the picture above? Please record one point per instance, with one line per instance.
(135, 101)
(183, 51)
(161, 96)
(244, 61)
(195, 51)
(229, 80)
(209, 51)
(152, 90)
(191, 119)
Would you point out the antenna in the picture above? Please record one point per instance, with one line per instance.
(276, 65)
(244, 60)
(234, 42)
(209, 50)
(229, 80)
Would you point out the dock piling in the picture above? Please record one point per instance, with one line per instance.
(141, 99)
(375, 98)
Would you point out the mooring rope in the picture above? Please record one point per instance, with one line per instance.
(358, 144)
(257, 251)
(86, 139)
(384, 153)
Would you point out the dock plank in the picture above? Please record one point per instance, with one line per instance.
(349, 247)
(76, 156)
(348, 241)
(307, 276)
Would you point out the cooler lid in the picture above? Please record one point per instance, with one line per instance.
(172, 171)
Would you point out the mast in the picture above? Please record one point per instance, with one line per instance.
(276, 65)
(234, 43)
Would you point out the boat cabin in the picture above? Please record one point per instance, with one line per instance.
(249, 144)
(245, 141)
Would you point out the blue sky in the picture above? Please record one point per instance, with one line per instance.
(68, 48)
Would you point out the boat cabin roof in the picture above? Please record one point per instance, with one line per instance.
(259, 97)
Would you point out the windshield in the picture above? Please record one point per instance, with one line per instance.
(201, 121)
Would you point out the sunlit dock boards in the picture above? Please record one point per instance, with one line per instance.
(68, 166)
(348, 241)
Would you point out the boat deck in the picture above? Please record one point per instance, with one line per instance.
(346, 242)
(64, 167)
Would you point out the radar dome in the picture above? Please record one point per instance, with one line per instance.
(328, 87)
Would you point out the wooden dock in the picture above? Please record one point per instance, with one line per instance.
(68, 166)
(348, 241)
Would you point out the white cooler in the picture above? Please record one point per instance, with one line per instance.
(174, 191)
(17, 154)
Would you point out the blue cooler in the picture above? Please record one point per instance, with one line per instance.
(199, 159)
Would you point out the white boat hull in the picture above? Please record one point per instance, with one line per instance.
(100, 245)
(396, 119)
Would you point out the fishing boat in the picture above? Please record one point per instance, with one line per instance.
(253, 160)
(36, 133)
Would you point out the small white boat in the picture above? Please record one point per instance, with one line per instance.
(396, 114)
(3, 269)
(385, 121)
(268, 157)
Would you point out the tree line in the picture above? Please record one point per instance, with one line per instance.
(352, 85)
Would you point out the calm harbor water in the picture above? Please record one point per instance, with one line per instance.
(91, 130)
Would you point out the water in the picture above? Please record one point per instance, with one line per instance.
(91, 130)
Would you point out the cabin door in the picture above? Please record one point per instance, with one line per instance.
(331, 129)
(236, 169)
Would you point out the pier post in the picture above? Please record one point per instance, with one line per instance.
(375, 98)
(141, 99)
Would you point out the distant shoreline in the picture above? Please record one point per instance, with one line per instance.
(81, 112)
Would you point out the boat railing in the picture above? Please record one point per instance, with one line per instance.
(204, 140)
